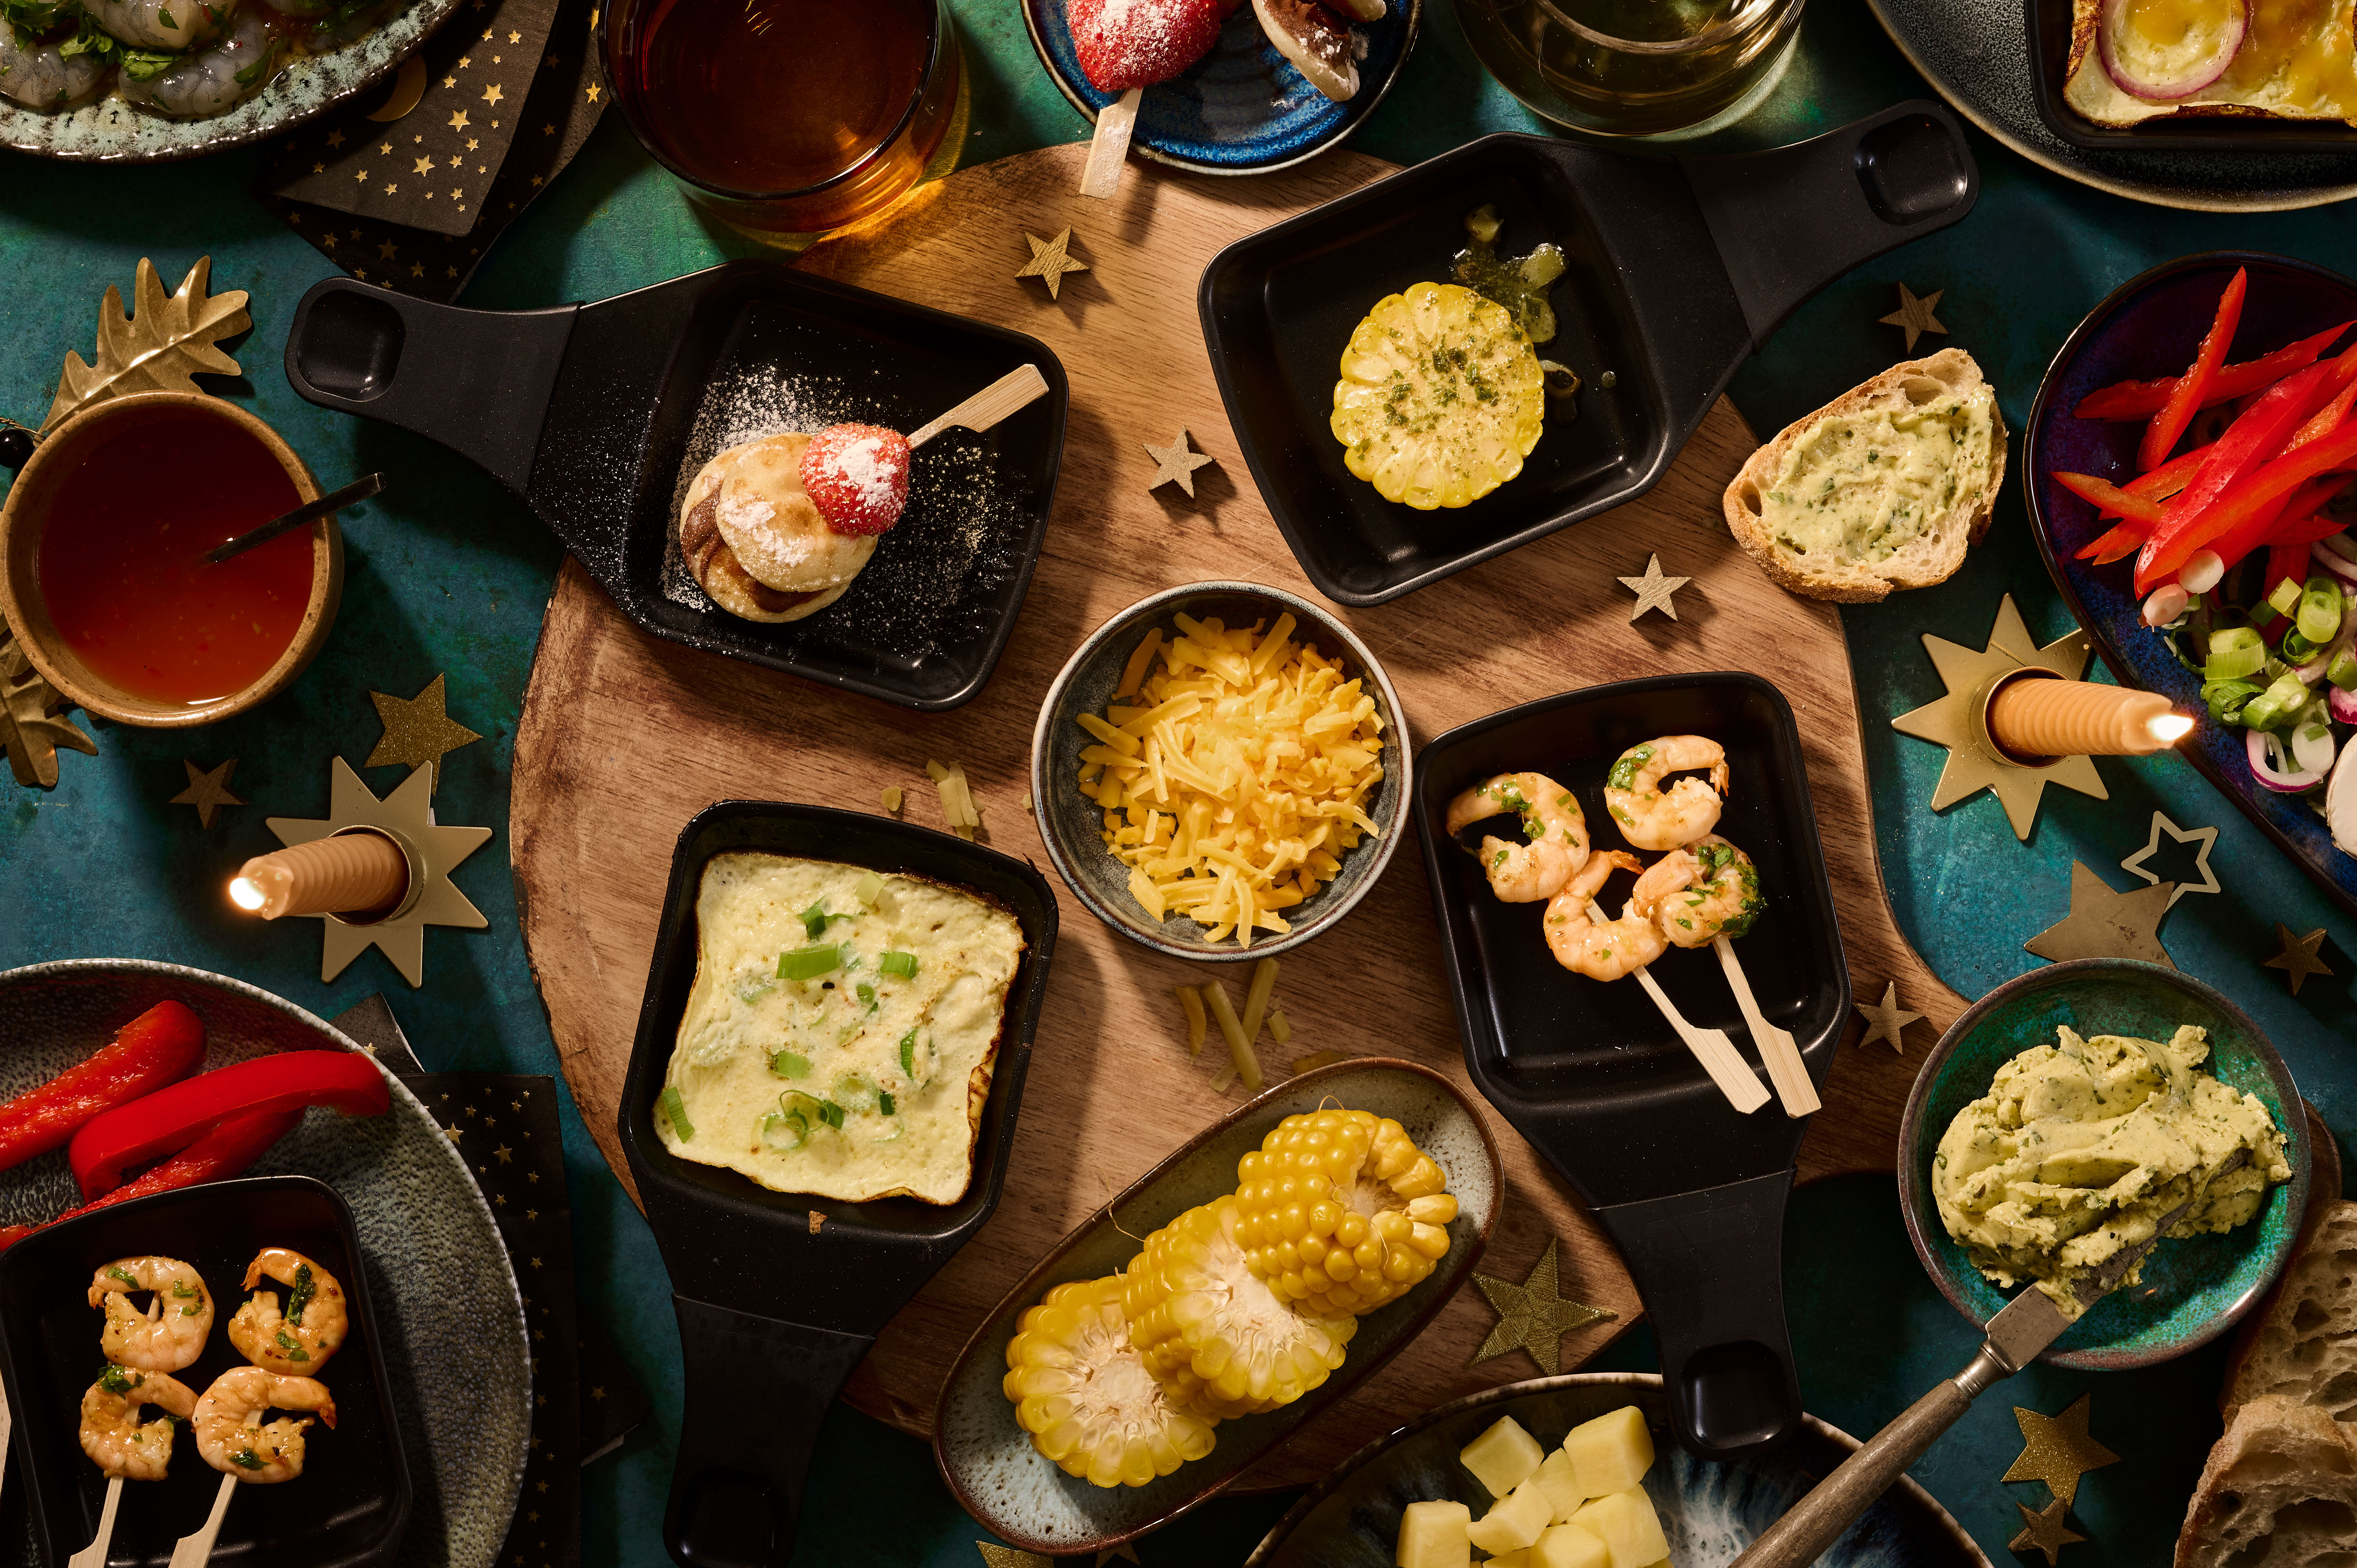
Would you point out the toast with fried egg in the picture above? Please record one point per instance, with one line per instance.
(2134, 61)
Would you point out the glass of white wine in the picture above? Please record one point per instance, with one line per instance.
(1635, 68)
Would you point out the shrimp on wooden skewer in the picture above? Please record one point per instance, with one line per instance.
(297, 1342)
(1708, 888)
(232, 1436)
(1599, 949)
(1651, 817)
(114, 1437)
(171, 1333)
(1554, 827)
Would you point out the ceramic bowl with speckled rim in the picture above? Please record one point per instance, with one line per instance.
(1071, 825)
(112, 131)
(462, 1402)
(1241, 109)
(987, 1458)
(2195, 1287)
(1709, 1509)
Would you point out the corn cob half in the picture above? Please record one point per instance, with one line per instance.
(1341, 1212)
(1082, 1391)
(1221, 1341)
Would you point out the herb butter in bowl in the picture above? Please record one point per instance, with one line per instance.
(1884, 488)
(2067, 1113)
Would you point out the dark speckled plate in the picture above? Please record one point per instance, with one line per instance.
(2150, 326)
(112, 131)
(435, 1258)
(2194, 1288)
(1709, 1511)
(1240, 108)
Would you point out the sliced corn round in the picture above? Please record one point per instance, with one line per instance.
(1218, 1339)
(1083, 1391)
(1341, 1212)
(1440, 399)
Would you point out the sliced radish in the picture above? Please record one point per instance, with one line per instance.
(2311, 739)
(2273, 767)
(2338, 564)
(2171, 51)
(2342, 705)
(2202, 571)
(2165, 604)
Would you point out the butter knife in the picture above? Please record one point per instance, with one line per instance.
(2028, 1325)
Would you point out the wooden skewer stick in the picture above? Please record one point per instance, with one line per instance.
(1710, 1046)
(1110, 146)
(95, 1554)
(1019, 387)
(1786, 1071)
(194, 1550)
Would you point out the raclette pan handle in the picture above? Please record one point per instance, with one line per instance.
(757, 1388)
(478, 381)
(1789, 221)
(1710, 1267)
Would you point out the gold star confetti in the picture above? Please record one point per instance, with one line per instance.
(423, 166)
(1175, 463)
(1955, 721)
(449, 81)
(2301, 956)
(593, 98)
(385, 250)
(1887, 1021)
(1654, 590)
(335, 138)
(208, 792)
(1533, 1316)
(492, 95)
(2105, 924)
(1914, 316)
(1050, 260)
(2046, 1531)
(418, 731)
(2206, 837)
(459, 120)
(515, 37)
(505, 1154)
(2058, 1449)
(998, 1556)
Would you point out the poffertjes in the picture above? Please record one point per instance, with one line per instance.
(757, 542)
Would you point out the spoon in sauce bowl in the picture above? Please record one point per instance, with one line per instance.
(310, 512)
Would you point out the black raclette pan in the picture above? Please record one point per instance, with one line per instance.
(1692, 1193)
(597, 414)
(1677, 269)
(772, 1318)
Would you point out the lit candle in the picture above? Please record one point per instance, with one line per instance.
(344, 874)
(2040, 717)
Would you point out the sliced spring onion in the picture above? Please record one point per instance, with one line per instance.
(2276, 706)
(884, 1102)
(2296, 650)
(2343, 670)
(790, 1063)
(2319, 610)
(903, 965)
(2227, 698)
(787, 1127)
(2236, 663)
(809, 963)
(831, 1113)
(814, 920)
(674, 1108)
(2227, 637)
(867, 995)
(908, 1053)
(898, 1127)
(854, 1091)
(870, 887)
(2285, 600)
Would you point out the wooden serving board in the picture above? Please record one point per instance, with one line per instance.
(1111, 1087)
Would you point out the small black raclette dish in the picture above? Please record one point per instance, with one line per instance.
(1692, 1193)
(2049, 23)
(773, 1316)
(1677, 270)
(348, 1508)
(597, 415)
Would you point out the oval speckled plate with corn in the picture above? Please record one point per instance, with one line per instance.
(1178, 1257)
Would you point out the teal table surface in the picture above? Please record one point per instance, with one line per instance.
(448, 573)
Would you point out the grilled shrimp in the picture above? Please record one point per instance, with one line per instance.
(1600, 950)
(1654, 818)
(1709, 889)
(1555, 827)
(112, 1433)
(298, 1343)
(229, 1430)
(171, 1333)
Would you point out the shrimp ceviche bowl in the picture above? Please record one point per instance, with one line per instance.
(149, 79)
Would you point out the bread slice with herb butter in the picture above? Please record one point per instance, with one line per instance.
(1884, 488)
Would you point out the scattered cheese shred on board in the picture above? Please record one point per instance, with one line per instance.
(957, 798)
(1234, 770)
(892, 796)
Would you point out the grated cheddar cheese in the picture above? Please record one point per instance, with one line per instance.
(1234, 770)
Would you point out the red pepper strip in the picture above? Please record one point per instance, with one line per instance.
(2259, 434)
(2255, 492)
(2192, 390)
(2284, 559)
(2325, 420)
(2159, 485)
(171, 1119)
(2111, 499)
(162, 1043)
(2142, 400)
(2117, 545)
(223, 1153)
(2264, 526)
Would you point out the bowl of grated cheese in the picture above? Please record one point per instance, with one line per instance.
(1220, 771)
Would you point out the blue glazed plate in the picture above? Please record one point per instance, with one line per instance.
(2194, 1288)
(1710, 1510)
(2150, 326)
(1240, 108)
(112, 131)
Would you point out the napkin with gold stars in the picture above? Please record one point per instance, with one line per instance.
(409, 188)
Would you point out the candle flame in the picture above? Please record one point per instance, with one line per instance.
(246, 893)
(2169, 728)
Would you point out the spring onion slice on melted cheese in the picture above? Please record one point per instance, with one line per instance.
(841, 1031)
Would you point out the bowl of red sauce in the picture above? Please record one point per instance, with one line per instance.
(101, 575)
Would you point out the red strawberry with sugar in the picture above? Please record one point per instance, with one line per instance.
(1124, 44)
(857, 477)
